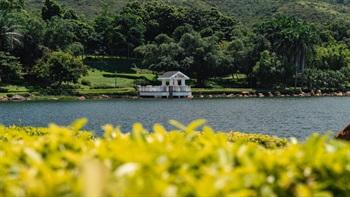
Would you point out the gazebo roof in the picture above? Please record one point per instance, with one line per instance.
(172, 75)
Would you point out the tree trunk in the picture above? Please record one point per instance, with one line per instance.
(302, 73)
(303, 66)
(297, 61)
(128, 51)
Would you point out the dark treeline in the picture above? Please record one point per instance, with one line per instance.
(44, 47)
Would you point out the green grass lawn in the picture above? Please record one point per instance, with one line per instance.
(97, 79)
(127, 71)
(123, 81)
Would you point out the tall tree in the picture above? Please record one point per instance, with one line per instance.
(206, 58)
(131, 30)
(201, 58)
(161, 18)
(271, 71)
(245, 48)
(59, 34)
(102, 40)
(209, 18)
(33, 32)
(59, 67)
(50, 9)
(162, 54)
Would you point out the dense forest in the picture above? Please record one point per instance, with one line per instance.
(285, 43)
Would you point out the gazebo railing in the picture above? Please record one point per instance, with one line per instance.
(150, 88)
(181, 88)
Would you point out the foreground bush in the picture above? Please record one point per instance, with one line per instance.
(64, 161)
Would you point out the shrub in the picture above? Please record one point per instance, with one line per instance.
(144, 82)
(102, 86)
(111, 92)
(86, 82)
(4, 90)
(64, 161)
(109, 75)
(126, 76)
(25, 94)
(64, 89)
(35, 93)
(220, 91)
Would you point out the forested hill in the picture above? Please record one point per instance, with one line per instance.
(247, 11)
(279, 43)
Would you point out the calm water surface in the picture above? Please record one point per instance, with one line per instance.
(282, 117)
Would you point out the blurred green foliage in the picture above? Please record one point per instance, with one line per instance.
(190, 161)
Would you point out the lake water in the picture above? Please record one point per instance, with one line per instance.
(282, 117)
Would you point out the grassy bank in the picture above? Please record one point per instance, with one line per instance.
(65, 161)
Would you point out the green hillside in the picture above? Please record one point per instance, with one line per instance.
(316, 11)
(246, 11)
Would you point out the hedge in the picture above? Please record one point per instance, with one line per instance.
(126, 76)
(65, 161)
(108, 91)
(221, 91)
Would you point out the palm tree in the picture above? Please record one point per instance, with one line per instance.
(9, 34)
(303, 41)
(292, 39)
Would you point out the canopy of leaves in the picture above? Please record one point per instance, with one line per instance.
(333, 57)
(58, 67)
(271, 71)
(200, 57)
(336, 79)
(16, 5)
(50, 9)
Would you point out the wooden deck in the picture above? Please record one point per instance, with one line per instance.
(164, 91)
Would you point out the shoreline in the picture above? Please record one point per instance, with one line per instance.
(243, 94)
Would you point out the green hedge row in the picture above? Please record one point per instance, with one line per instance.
(124, 76)
(221, 91)
(108, 91)
(239, 91)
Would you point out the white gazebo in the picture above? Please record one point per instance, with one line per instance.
(176, 86)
